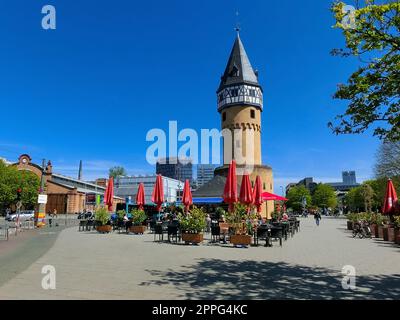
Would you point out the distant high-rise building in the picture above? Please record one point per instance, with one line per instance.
(349, 177)
(179, 169)
(205, 173)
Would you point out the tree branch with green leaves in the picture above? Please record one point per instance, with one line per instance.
(373, 91)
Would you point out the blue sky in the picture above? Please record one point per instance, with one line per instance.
(112, 70)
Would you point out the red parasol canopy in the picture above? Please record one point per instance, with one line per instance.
(270, 196)
(140, 199)
(257, 194)
(187, 199)
(230, 190)
(246, 193)
(158, 193)
(109, 194)
(390, 199)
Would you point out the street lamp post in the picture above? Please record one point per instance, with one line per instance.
(42, 206)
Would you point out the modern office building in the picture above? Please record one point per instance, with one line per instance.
(125, 187)
(178, 169)
(349, 177)
(205, 173)
(348, 182)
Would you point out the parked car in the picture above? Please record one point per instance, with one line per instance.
(23, 215)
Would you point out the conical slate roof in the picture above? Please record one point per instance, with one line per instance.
(239, 69)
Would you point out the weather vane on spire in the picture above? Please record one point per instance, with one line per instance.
(237, 28)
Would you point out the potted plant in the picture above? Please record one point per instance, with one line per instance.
(192, 225)
(239, 230)
(102, 218)
(351, 218)
(375, 221)
(388, 232)
(397, 229)
(138, 217)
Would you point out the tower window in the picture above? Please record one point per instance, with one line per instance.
(224, 116)
(252, 93)
(264, 186)
(234, 92)
(252, 114)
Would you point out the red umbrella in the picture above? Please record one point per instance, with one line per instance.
(187, 199)
(257, 194)
(230, 190)
(246, 194)
(390, 199)
(140, 201)
(109, 194)
(158, 193)
(270, 196)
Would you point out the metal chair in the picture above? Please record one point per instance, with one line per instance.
(158, 232)
(215, 233)
(277, 233)
(263, 233)
(173, 233)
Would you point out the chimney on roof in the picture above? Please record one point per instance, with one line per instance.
(80, 171)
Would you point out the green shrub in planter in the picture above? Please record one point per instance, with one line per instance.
(102, 216)
(121, 214)
(138, 217)
(193, 222)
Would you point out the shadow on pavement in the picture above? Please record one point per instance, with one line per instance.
(219, 279)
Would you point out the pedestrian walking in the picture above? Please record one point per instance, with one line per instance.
(317, 217)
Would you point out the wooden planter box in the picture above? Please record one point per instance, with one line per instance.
(349, 225)
(374, 230)
(388, 234)
(239, 239)
(380, 232)
(397, 235)
(104, 229)
(192, 238)
(137, 229)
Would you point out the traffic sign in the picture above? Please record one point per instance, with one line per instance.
(42, 198)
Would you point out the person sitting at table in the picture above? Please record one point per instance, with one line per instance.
(285, 217)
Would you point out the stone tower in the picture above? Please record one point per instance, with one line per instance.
(240, 104)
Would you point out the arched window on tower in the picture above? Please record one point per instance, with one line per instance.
(252, 114)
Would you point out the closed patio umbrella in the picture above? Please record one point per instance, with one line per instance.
(230, 190)
(187, 198)
(158, 193)
(390, 202)
(109, 194)
(140, 198)
(246, 193)
(257, 194)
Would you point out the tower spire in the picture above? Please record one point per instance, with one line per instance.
(237, 27)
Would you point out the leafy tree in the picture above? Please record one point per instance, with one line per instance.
(117, 171)
(367, 194)
(295, 197)
(388, 160)
(354, 200)
(324, 196)
(11, 180)
(373, 91)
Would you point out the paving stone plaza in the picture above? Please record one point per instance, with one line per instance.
(90, 265)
